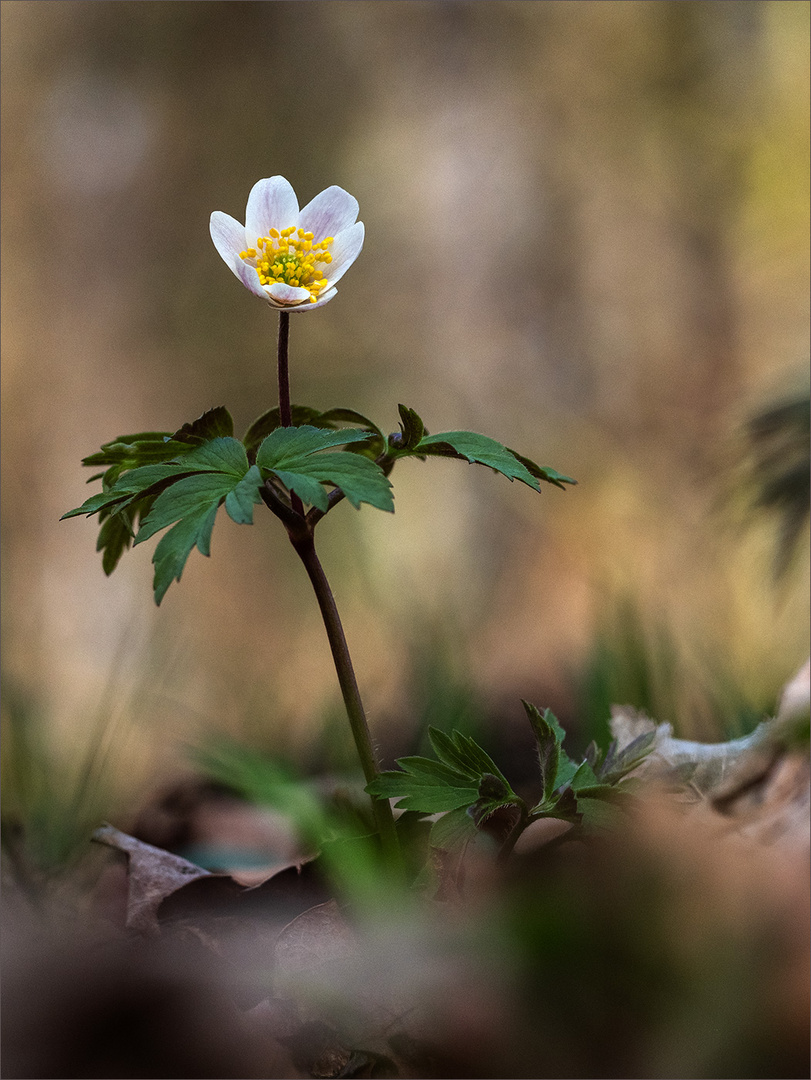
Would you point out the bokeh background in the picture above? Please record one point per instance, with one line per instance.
(587, 236)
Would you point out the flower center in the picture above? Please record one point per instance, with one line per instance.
(291, 257)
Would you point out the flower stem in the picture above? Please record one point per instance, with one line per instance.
(285, 409)
(285, 412)
(305, 548)
(300, 530)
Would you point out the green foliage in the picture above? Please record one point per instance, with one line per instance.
(469, 446)
(304, 415)
(467, 787)
(465, 779)
(157, 480)
(185, 493)
(292, 454)
(412, 428)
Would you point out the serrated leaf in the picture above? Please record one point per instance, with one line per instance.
(479, 449)
(562, 805)
(240, 501)
(175, 547)
(115, 536)
(270, 420)
(583, 778)
(117, 531)
(448, 752)
(221, 454)
(292, 453)
(412, 427)
(213, 424)
(95, 503)
(358, 477)
(308, 488)
(453, 830)
(303, 414)
(548, 739)
(186, 497)
(430, 769)
(349, 416)
(566, 770)
(544, 472)
(420, 793)
(494, 794)
(286, 446)
(480, 756)
(130, 451)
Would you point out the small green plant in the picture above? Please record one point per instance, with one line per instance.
(299, 461)
(469, 787)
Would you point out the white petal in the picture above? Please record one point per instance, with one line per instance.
(272, 204)
(344, 251)
(329, 213)
(228, 236)
(248, 276)
(323, 299)
(287, 294)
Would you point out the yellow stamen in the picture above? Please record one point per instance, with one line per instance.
(289, 256)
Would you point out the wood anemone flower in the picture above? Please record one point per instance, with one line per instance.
(289, 257)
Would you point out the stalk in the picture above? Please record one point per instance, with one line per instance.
(300, 530)
(305, 548)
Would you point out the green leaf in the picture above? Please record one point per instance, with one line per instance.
(549, 739)
(292, 453)
(270, 420)
(175, 547)
(130, 451)
(225, 455)
(494, 794)
(478, 449)
(445, 748)
(308, 488)
(95, 503)
(411, 426)
(598, 815)
(303, 414)
(583, 778)
(240, 501)
(213, 424)
(420, 793)
(544, 472)
(453, 830)
(566, 770)
(435, 770)
(470, 446)
(186, 497)
(286, 446)
(116, 532)
(207, 466)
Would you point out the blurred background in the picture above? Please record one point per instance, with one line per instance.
(587, 236)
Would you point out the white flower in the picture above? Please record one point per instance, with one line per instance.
(292, 258)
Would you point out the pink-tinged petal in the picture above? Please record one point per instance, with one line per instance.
(228, 236)
(272, 204)
(248, 276)
(329, 213)
(288, 294)
(323, 299)
(344, 251)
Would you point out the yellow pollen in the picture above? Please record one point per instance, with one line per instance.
(291, 257)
